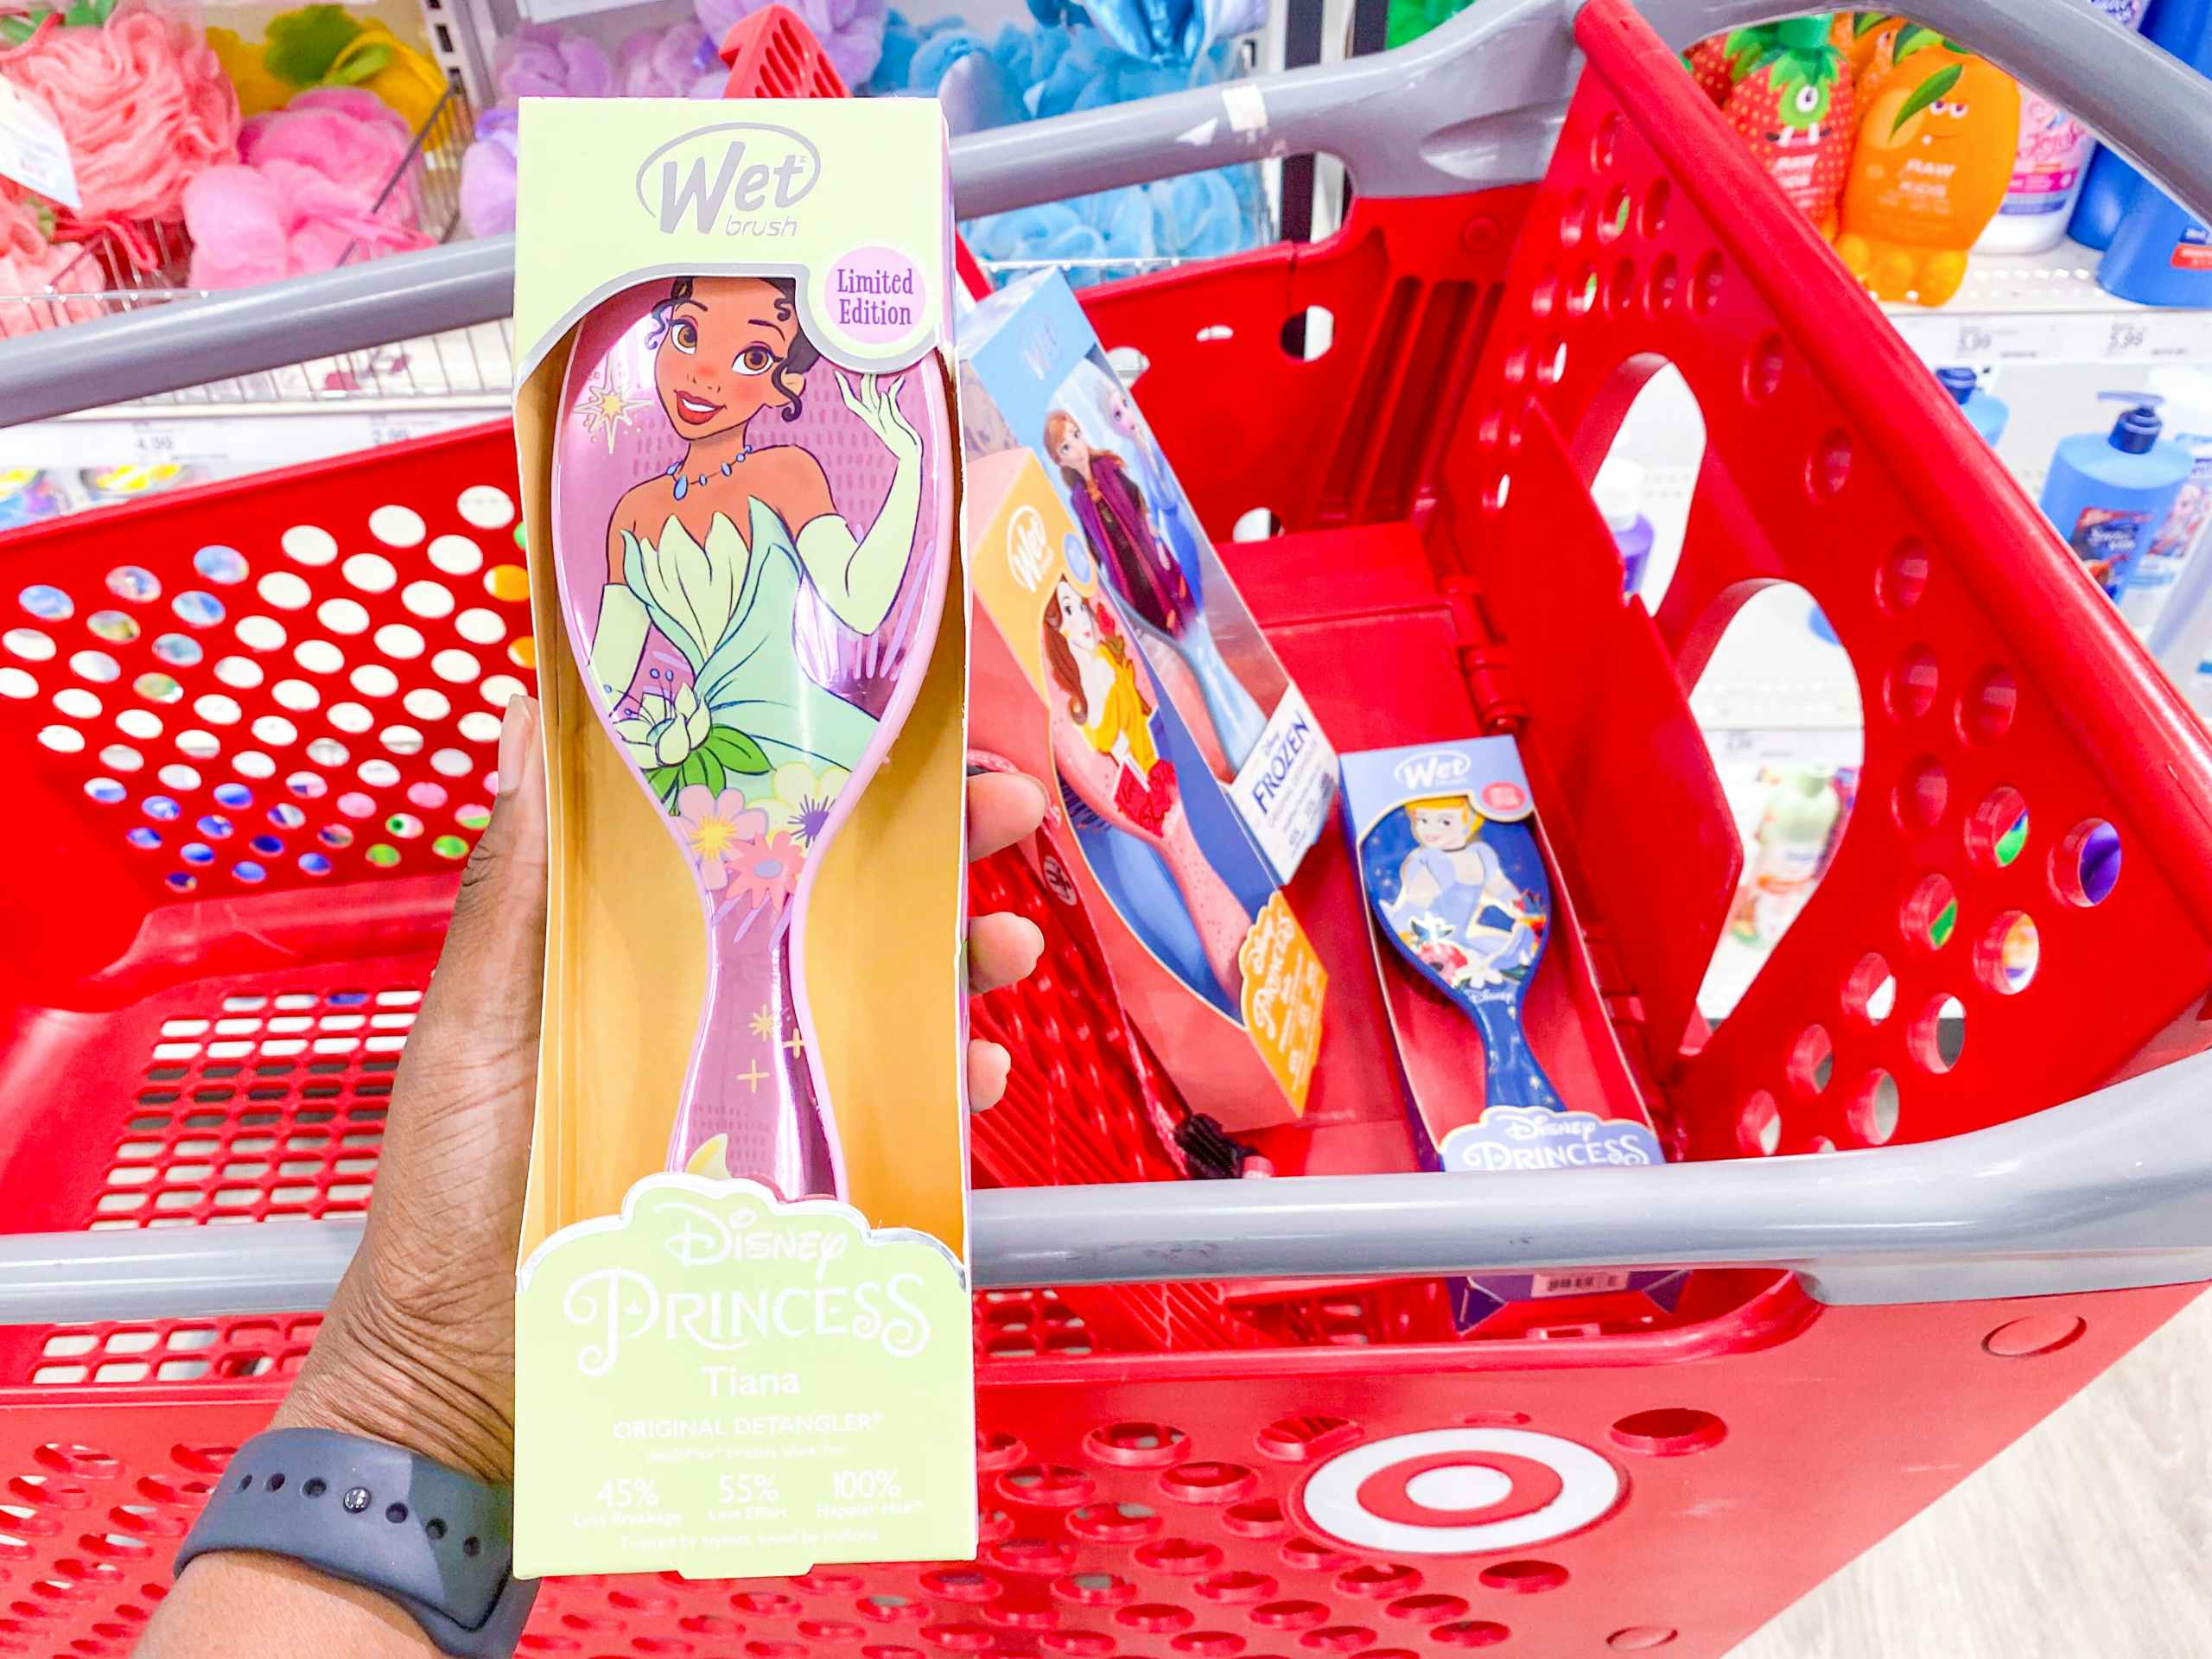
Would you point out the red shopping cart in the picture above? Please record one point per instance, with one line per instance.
(204, 1018)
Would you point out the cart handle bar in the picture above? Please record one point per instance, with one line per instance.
(1475, 102)
(2108, 1193)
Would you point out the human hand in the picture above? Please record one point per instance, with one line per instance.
(875, 400)
(418, 1345)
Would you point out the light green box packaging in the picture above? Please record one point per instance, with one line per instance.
(709, 1379)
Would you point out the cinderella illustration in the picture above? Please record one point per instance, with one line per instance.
(1455, 906)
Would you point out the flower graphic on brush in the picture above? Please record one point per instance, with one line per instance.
(1467, 928)
(1112, 772)
(1148, 576)
(689, 609)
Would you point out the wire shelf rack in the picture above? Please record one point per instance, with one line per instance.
(149, 264)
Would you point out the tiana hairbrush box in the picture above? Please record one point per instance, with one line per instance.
(742, 1316)
(1038, 378)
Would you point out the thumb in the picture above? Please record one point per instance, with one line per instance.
(484, 1000)
(457, 1150)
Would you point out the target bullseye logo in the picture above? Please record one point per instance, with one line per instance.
(1461, 1491)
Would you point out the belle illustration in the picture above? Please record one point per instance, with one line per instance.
(1147, 575)
(694, 592)
(1091, 665)
(1108, 758)
(1455, 906)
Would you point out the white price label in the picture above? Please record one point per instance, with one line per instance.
(32, 152)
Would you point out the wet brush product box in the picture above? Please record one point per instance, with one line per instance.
(1035, 377)
(1464, 921)
(742, 1315)
(1213, 967)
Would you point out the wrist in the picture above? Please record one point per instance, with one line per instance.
(369, 1375)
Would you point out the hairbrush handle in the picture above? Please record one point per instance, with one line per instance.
(1236, 718)
(1096, 779)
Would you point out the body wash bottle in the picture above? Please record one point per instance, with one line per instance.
(2107, 492)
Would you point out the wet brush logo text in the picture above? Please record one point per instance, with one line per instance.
(738, 179)
(1428, 772)
(1028, 554)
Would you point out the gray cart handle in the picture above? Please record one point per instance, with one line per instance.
(2108, 1193)
(1477, 103)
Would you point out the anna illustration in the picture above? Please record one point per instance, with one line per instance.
(1090, 664)
(1145, 574)
(713, 552)
(1111, 509)
(1455, 906)
(1161, 493)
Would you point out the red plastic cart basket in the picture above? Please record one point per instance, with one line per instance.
(250, 728)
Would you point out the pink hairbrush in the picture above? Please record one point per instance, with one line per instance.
(751, 653)
(1102, 746)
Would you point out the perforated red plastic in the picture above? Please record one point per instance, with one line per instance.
(1365, 1492)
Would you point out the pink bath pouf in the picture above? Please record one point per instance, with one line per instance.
(305, 192)
(144, 104)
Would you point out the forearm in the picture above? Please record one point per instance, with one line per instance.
(225, 1606)
(859, 579)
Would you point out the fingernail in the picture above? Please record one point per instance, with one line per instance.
(1044, 800)
(516, 727)
(1036, 937)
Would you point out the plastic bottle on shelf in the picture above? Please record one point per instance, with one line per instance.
(1794, 106)
(2107, 492)
(1986, 414)
(2052, 161)
(1618, 492)
(2168, 596)
(2185, 29)
(2160, 254)
(1792, 840)
(1937, 130)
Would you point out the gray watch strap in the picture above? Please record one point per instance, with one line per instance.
(437, 1542)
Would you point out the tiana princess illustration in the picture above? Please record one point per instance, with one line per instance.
(1455, 905)
(695, 589)
(1149, 577)
(1090, 664)
(712, 553)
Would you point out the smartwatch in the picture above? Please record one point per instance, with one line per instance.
(437, 1542)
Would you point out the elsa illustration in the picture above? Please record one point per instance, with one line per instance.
(1161, 492)
(1455, 905)
(1090, 665)
(713, 553)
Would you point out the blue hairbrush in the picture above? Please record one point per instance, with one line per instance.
(1467, 904)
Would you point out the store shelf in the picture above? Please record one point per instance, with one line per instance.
(2047, 309)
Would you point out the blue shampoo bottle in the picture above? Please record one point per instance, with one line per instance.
(1986, 414)
(2107, 492)
(2185, 29)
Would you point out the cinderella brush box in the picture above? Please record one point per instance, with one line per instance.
(1462, 916)
(1030, 352)
(742, 1321)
